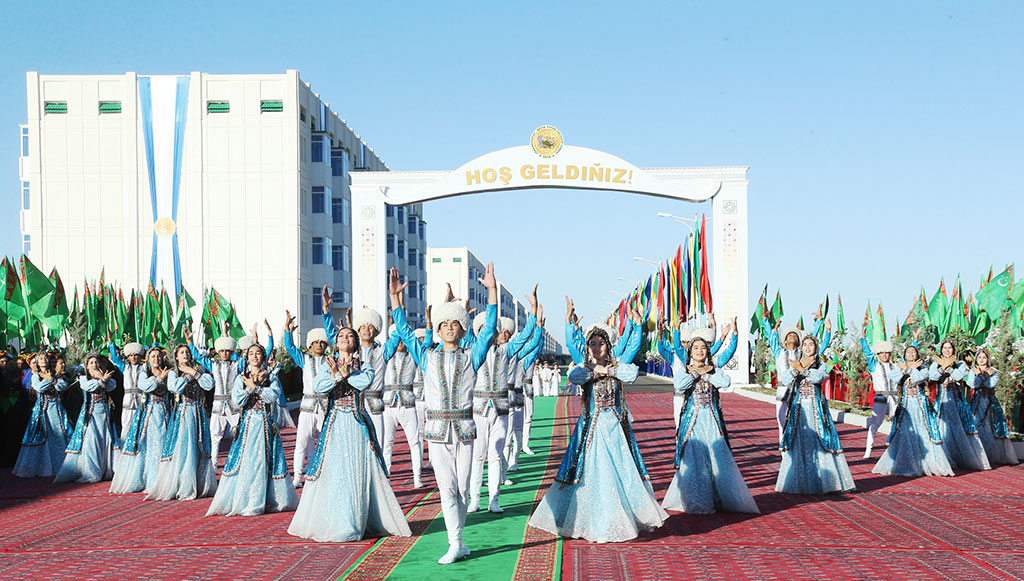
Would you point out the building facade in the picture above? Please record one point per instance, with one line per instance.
(235, 182)
(462, 269)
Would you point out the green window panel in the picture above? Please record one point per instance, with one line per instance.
(110, 107)
(58, 107)
(218, 107)
(271, 106)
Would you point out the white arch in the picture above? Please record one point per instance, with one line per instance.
(571, 168)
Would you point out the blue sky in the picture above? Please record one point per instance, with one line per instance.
(883, 140)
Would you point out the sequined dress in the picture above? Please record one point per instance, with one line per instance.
(347, 495)
(915, 444)
(602, 492)
(956, 422)
(90, 451)
(137, 459)
(48, 431)
(186, 471)
(990, 419)
(255, 477)
(707, 479)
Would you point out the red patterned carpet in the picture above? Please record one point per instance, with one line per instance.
(965, 527)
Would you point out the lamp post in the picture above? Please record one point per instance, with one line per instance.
(629, 280)
(686, 221)
(651, 262)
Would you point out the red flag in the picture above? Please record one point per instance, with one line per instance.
(705, 280)
(661, 293)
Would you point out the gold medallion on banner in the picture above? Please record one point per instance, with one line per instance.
(164, 227)
(546, 141)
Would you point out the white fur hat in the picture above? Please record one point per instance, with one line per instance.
(367, 317)
(508, 324)
(704, 333)
(785, 333)
(882, 347)
(612, 335)
(245, 342)
(316, 334)
(685, 335)
(133, 348)
(224, 343)
(478, 322)
(421, 334)
(453, 311)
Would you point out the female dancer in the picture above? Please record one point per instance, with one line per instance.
(707, 478)
(812, 458)
(48, 432)
(347, 495)
(915, 444)
(988, 412)
(956, 422)
(186, 471)
(90, 451)
(138, 458)
(602, 491)
(255, 478)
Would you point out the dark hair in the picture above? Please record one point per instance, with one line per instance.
(177, 348)
(689, 351)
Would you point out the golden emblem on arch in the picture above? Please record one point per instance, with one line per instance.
(546, 141)
(164, 227)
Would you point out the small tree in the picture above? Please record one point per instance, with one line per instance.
(762, 362)
(77, 345)
(1009, 361)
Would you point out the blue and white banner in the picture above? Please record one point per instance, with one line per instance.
(163, 100)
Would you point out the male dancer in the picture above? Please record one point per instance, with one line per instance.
(885, 385)
(314, 405)
(521, 397)
(224, 416)
(133, 370)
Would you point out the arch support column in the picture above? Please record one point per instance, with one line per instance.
(369, 249)
(729, 267)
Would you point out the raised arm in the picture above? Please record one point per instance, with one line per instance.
(114, 357)
(483, 341)
(417, 350)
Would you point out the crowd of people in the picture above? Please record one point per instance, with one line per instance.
(462, 391)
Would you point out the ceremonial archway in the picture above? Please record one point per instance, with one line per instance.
(547, 163)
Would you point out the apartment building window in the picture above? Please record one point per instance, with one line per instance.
(457, 259)
(423, 262)
(346, 258)
(401, 249)
(339, 162)
(391, 243)
(55, 107)
(316, 154)
(24, 142)
(218, 107)
(336, 210)
(318, 301)
(346, 211)
(401, 214)
(390, 211)
(271, 106)
(435, 260)
(110, 107)
(472, 294)
(318, 200)
(26, 244)
(336, 257)
(24, 195)
(413, 289)
(337, 297)
(412, 224)
(318, 250)
(423, 292)
(412, 257)
(423, 229)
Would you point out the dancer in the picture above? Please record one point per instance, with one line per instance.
(491, 405)
(426, 337)
(528, 381)
(884, 380)
(517, 395)
(347, 496)
(707, 479)
(255, 478)
(684, 338)
(137, 459)
(187, 470)
(988, 412)
(313, 407)
(784, 351)
(956, 422)
(132, 367)
(400, 409)
(90, 451)
(812, 458)
(915, 444)
(223, 370)
(449, 375)
(48, 432)
(602, 491)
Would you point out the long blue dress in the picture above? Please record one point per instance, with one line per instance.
(812, 457)
(255, 477)
(186, 471)
(915, 444)
(48, 432)
(956, 422)
(137, 459)
(347, 495)
(707, 479)
(602, 491)
(90, 452)
(990, 419)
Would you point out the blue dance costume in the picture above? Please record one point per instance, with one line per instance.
(137, 459)
(48, 431)
(915, 444)
(90, 451)
(990, 419)
(956, 422)
(186, 471)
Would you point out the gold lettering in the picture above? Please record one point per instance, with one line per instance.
(505, 174)
(490, 175)
(526, 172)
(618, 176)
(607, 174)
(595, 174)
(472, 176)
(554, 173)
(542, 171)
(572, 172)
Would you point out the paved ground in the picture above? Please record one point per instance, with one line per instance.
(965, 527)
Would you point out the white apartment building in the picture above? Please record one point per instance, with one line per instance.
(462, 269)
(238, 182)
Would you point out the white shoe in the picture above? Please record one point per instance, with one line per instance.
(867, 453)
(528, 451)
(454, 554)
(417, 483)
(512, 468)
(463, 549)
(474, 504)
(507, 482)
(297, 481)
(494, 506)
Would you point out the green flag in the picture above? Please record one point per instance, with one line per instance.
(995, 295)
(777, 312)
(879, 327)
(185, 298)
(1017, 293)
(800, 323)
(37, 287)
(840, 318)
(235, 330)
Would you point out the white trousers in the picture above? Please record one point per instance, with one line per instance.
(220, 428)
(781, 411)
(126, 418)
(378, 426)
(405, 417)
(527, 419)
(489, 445)
(678, 401)
(421, 417)
(878, 412)
(514, 436)
(452, 464)
(306, 433)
